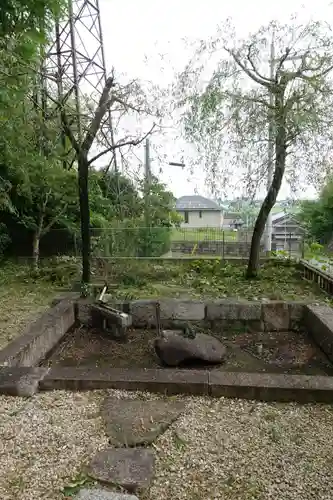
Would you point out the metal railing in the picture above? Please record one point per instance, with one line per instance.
(165, 242)
(323, 278)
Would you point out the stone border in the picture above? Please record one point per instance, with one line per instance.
(20, 377)
(40, 336)
(253, 386)
(20, 381)
(262, 316)
(318, 320)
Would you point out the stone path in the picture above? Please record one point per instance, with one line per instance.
(129, 468)
(129, 424)
(135, 422)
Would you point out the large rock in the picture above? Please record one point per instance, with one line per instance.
(136, 422)
(130, 468)
(98, 494)
(174, 349)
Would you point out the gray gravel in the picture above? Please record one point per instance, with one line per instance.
(218, 449)
(44, 441)
(232, 449)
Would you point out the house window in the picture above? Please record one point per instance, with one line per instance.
(186, 217)
(200, 214)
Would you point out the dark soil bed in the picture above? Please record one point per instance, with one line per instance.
(286, 352)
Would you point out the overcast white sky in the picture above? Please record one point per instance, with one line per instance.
(136, 32)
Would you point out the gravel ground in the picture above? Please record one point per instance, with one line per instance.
(44, 441)
(218, 449)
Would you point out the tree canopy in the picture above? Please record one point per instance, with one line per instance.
(39, 199)
(317, 215)
(246, 106)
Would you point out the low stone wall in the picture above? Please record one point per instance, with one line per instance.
(216, 315)
(19, 375)
(259, 386)
(40, 336)
(318, 321)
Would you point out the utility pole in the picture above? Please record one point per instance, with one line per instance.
(271, 127)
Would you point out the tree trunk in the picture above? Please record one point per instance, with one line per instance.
(35, 249)
(83, 170)
(269, 201)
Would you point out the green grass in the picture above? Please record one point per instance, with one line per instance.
(23, 296)
(21, 299)
(203, 278)
(204, 234)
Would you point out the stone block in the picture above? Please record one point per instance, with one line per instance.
(172, 311)
(318, 321)
(271, 387)
(237, 310)
(20, 381)
(143, 313)
(276, 316)
(40, 336)
(152, 380)
(296, 314)
(83, 310)
(182, 310)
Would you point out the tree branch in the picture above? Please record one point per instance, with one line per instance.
(247, 71)
(255, 70)
(135, 142)
(54, 220)
(243, 97)
(103, 104)
(68, 131)
(283, 59)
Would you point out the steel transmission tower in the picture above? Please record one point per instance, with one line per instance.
(75, 61)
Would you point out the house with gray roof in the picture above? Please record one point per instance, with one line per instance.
(199, 212)
(287, 233)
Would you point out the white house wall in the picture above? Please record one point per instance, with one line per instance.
(209, 218)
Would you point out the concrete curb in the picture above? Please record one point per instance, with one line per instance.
(40, 336)
(253, 386)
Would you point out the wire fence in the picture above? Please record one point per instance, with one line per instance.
(165, 242)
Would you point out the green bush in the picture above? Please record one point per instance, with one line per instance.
(59, 270)
(130, 240)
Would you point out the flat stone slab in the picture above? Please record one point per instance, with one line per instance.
(20, 381)
(130, 468)
(98, 494)
(137, 422)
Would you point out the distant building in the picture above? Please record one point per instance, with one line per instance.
(199, 212)
(232, 220)
(287, 233)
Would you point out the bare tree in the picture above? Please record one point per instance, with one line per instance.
(227, 118)
(110, 96)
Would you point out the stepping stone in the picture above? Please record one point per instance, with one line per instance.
(97, 494)
(137, 422)
(130, 468)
